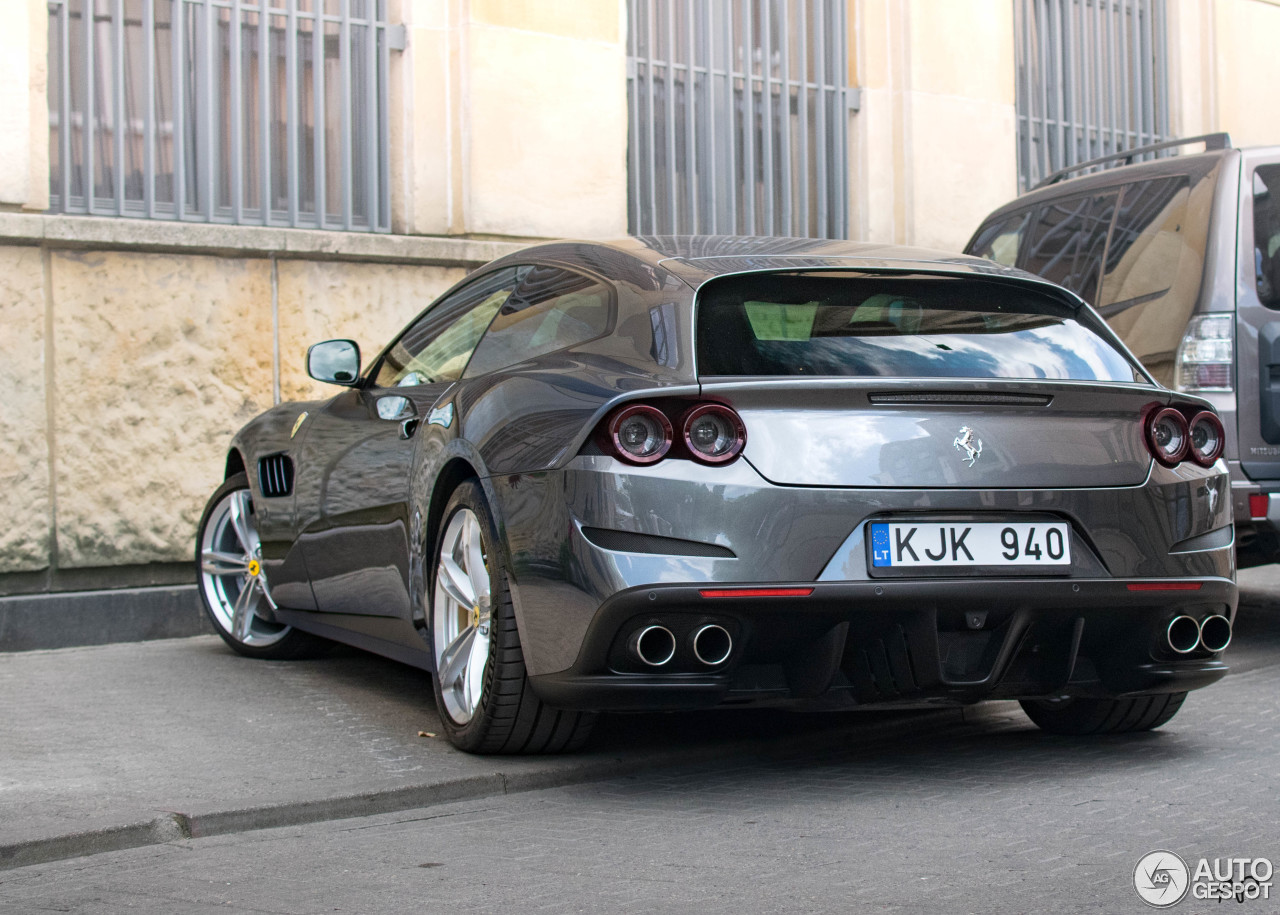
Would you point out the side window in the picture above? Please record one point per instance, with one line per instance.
(1066, 240)
(1266, 233)
(1154, 262)
(550, 310)
(1000, 241)
(436, 346)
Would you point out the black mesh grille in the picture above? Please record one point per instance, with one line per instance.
(275, 475)
(881, 669)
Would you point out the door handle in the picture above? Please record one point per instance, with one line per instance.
(408, 427)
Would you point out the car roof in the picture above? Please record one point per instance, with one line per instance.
(698, 258)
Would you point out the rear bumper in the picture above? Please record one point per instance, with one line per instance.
(1258, 536)
(897, 643)
(582, 536)
(1257, 531)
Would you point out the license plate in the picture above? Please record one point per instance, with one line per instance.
(897, 545)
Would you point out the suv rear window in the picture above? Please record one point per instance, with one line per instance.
(832, 325)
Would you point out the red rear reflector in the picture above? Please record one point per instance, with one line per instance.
(1163, 586)
(758, 592)
(1258, 505)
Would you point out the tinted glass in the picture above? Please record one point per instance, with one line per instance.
(436, 346)
(1152, 274)
(550, 310)
(1266, 233)
(1066, 240)
(1000, 241)
(918, 328)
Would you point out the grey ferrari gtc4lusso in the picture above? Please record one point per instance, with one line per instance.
(676, 473)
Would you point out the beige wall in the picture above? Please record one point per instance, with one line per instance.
(1247, 70)
(367, 303)
(518, 118)
(157, 358)
(933, 147)
(24, 119)
(1225, 69)
(25, 503)
(131, 370)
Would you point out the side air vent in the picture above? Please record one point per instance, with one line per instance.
(950, 397)
(628, 542)
(275, 475)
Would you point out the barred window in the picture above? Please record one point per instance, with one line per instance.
(261, 112)
(738, 117)
(1092, 80)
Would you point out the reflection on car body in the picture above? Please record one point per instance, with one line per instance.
(675, 473)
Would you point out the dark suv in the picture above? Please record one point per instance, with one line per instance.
(1181, 255)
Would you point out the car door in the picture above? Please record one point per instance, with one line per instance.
(354, 469)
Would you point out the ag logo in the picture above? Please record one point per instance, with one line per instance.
(1161, 879)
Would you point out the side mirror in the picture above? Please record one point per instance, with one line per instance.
(334, 362)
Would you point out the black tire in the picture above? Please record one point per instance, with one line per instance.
(1079, 717)
(508, 717)
(266, 640)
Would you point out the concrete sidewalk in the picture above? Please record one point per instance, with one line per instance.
(117, 746)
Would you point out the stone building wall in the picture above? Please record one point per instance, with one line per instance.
(132, 355)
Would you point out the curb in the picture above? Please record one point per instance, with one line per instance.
(176, 826)
(74, 619)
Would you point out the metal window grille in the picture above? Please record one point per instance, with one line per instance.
(261, 112)
(1092, 80)
(738, 117)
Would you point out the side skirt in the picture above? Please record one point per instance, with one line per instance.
(394, 638)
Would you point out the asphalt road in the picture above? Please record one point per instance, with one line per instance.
(980, 815)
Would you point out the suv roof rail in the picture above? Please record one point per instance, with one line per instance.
(1211, 141)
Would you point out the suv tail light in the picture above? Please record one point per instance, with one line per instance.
(1206, 355)
(1168, 436)
(1207, 438)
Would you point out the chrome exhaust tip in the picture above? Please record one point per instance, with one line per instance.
(1215, 633)
(1183, 634)
(653, 645)
(712, 645)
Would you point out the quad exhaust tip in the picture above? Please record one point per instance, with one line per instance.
(653, 645)
(1183, 634)
(712, 645)
(1215, 633)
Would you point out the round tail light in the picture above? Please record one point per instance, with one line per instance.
(713, 433)
(640, 434)
(1168, 436)
(1207, 438)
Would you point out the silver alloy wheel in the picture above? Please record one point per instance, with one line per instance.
(231, 572)
(461, 615)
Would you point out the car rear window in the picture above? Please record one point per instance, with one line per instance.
(832, 325)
